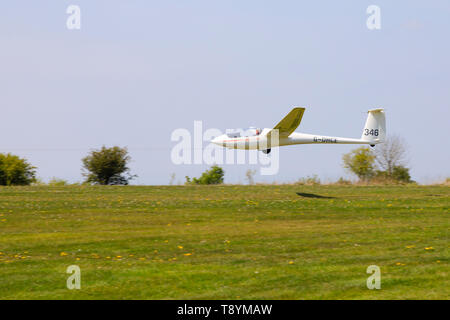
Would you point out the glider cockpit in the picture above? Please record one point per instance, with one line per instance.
(250, 132)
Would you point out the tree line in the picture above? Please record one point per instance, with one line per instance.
(106, 166)
(387, 163)
(109, 166)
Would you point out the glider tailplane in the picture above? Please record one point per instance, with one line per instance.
(375, 127)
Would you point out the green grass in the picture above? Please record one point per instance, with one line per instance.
(224, 242)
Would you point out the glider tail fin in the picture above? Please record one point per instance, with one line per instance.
(375, 127)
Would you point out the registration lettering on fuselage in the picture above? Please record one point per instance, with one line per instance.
(325, 140)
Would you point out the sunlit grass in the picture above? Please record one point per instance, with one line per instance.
(224, 242)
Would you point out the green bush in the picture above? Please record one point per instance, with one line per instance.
(401, 174)
(212, 176)
(107, 166)
(361, 162)
(309, 181)
(15, 170)
(55, 182)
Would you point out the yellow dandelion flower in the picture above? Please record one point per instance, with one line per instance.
(291, 262)
(180, 247)
(188, 254)
(142, 259)
(429, 248)
(63, 254)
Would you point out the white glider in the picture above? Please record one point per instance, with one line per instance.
(283, 134)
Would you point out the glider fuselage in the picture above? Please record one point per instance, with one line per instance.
(262, 141)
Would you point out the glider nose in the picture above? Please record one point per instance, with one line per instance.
(217, 140)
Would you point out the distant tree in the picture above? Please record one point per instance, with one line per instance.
(15, 170)
(107, 166)
(385, 164)
(391, 158)
(390, 154)
(361, 162)
(249, 175)
(212, 176)
(172, 178)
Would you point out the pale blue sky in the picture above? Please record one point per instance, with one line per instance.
(137, 70)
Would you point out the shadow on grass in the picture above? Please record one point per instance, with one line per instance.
(312, 195)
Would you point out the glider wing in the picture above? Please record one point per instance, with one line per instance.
(289, 123)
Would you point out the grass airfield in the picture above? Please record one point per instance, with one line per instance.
(224, 242)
